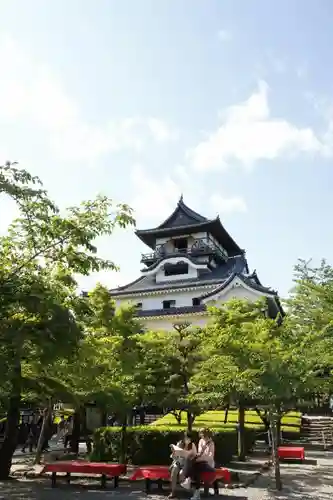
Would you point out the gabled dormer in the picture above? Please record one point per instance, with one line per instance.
(187, 233)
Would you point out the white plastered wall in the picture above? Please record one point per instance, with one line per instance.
(155, 301)
(166, 323)
(235, 290)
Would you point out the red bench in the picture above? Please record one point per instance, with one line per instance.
(158, 473)
(291, 452)
(81, 467)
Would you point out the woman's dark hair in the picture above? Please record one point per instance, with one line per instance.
(187, 435)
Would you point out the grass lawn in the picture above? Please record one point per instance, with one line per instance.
(291, 422)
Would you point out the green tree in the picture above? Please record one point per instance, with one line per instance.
(38, 256)
(103, 370)
(269, 361)
(310, 308)
(169, 361)
(220, 380)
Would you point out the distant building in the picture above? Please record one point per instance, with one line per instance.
(193, 263)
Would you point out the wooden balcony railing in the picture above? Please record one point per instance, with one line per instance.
(202, 246)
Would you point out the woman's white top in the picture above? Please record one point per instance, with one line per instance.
(206, 452)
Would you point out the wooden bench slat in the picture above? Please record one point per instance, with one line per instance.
(77, 467)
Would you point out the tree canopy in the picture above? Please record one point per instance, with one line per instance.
(56, 342)
(39, 256)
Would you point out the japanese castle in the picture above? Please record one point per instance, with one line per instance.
(193, 262)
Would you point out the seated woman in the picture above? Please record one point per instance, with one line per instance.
(203, 462)
(187, 445)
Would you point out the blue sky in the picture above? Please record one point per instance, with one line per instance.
(227, 101)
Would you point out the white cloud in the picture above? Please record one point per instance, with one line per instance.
(226, 205)
(182, 174)
(249, 134)
(31, 93)
(224, 35)
(154, 199)
(29, 90)
(160, 130)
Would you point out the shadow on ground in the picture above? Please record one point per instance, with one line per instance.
(299, 483)
(41, 490)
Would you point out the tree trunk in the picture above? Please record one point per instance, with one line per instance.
(10, 441)
(263, 418)
(122, 457)
(85, 430)
(43, 435)
(13, 419)
(104, 418)
(142, 415)
(241, 433)
(226, 414)
(275, 456)
(278, 431)
(190, 421)
(130, 419)
(178, 416)
(84, 417)
(74, 445)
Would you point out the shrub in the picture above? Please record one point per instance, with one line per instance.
(151, 445)
(291, 421)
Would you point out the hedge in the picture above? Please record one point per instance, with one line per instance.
(291, 421)
(150, 445)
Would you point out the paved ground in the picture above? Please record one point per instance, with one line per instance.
(52, 446)
(301, 482)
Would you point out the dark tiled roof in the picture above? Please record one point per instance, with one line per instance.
(181, 216)
(184, 217)
(256, 285)
(273, 302)
(247, 280)
(171, 311)
(273, 305)
(218, 275)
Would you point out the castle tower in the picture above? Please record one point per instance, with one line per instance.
(193, 262)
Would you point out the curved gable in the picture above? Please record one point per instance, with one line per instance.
(174, 261)
(241, 286)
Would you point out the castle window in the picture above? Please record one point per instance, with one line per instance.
(180, 244)
(173, 270)
(195, 301)
(167, 304)
(138, 305)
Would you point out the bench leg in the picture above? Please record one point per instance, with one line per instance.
(68, 477)
(148, 485)
(54, 479)
(103, 481)
(159, 485)
(116, 481)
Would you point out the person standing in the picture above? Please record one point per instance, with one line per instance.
(30, 440)
(68, 431)
(61, 429)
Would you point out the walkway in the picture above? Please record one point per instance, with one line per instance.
(300, 483)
